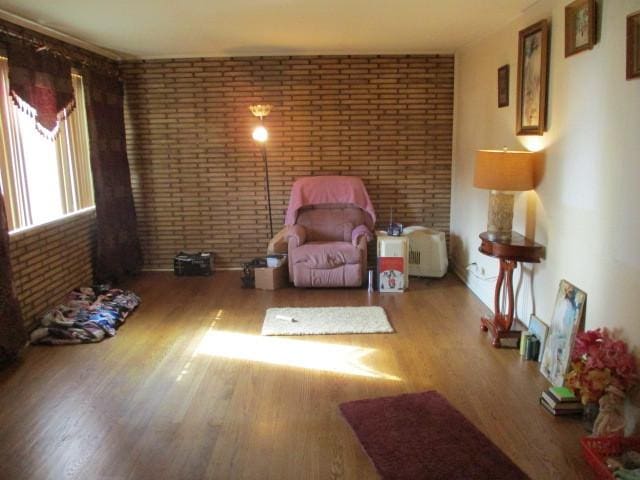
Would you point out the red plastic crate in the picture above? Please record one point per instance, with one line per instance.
(597, 449)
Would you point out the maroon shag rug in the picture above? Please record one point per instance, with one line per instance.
(422, 436)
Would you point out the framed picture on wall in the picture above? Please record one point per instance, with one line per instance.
(503, 86)
(533, 60)
(633, 46)
(567, 315)
(579, 26)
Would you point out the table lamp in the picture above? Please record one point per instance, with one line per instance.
(503, 172)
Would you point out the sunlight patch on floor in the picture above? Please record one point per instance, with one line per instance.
(187, 365)
(307, 354)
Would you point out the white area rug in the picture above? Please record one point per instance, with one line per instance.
(325, 321)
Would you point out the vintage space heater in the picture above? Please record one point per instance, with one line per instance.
(427, 252)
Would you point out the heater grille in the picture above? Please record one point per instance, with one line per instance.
(427, 252)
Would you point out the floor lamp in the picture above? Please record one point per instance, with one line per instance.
(261, 135)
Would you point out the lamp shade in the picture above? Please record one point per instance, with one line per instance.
(504, 170)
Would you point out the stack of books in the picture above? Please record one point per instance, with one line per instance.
(560, 401)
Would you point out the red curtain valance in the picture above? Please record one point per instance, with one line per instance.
(40, 85)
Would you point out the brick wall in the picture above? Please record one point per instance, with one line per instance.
(50, 260)
(198, 177)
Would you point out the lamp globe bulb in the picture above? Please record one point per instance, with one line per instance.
(260, 134)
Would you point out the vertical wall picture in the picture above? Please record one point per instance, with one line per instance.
(579, 26)
(633, 46)
(503, 86)
(567, 313)
(533, 60)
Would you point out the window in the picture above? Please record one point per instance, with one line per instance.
(42, 179)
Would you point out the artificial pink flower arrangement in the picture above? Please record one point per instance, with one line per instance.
(599, 360)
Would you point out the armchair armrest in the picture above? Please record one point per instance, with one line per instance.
(296, 235)
(360, 232)
(278, 243)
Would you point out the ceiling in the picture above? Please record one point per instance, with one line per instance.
(206, 28)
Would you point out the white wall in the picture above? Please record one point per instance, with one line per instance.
(586, 210)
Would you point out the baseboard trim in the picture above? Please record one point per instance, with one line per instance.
(463, 275)
(226, 269)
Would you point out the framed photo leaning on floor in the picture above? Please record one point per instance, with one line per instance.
(540, 330)
(567, 314)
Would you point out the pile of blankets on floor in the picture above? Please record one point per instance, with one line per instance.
(87, 316)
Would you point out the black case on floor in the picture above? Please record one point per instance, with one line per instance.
(188, 264)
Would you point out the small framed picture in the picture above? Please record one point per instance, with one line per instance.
(539, 329)
(503, 86)
(565, 321)
(633, 46)
(533, 62)
(579, 26)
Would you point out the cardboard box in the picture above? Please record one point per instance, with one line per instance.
(391, 274)
(393, 256)
(272, 278)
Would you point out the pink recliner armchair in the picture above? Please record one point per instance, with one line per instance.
(328, 224)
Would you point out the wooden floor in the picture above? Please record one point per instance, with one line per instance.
(188, 389)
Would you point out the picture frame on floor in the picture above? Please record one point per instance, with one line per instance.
(565, 321)
(538, 328)
(633, 45)
(580, 18)
(533, 61)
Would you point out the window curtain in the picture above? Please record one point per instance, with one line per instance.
(12, 332)
(40, 85)
(118, 248)
(73, 155)
(12, 171)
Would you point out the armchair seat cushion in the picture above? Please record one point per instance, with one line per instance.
(325, 255)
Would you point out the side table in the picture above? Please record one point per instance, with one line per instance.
(509, 252)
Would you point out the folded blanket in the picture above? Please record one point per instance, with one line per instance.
(87, 316)
(328, 189)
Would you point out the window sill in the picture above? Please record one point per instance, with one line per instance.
(52, 223)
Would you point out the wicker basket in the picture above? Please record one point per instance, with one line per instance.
(597, 449)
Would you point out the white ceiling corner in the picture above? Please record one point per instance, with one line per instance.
(213, 28)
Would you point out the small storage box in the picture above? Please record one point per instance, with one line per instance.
(393, 274)
(272, 278)
(190, 264)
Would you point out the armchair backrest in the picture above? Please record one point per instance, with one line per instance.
(330, 222)
(331, 191)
